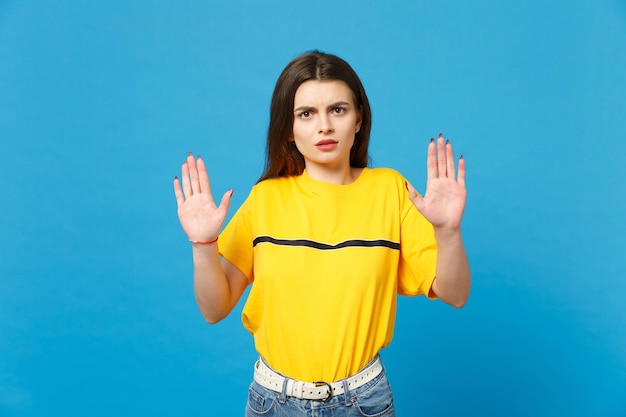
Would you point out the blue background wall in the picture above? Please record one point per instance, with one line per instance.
(101, 101)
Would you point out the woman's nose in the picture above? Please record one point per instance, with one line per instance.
(325, 124)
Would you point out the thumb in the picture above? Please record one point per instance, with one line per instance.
(225, 203)
(415, 197)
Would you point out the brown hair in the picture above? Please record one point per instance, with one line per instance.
(282, 157)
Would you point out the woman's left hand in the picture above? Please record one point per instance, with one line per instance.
(444, 200)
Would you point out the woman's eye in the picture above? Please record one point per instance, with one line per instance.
(305, 114)
(339, 110)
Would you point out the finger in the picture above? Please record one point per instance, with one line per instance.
(193, 174)
(180, 198)
(450, 169)
(415, 197)
(186, 183)
(225, 203)
(411, 190)
(461, 179)
(441, 157)
(203, 177)
(431, 162)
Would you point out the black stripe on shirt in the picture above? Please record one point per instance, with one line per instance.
(325, 246)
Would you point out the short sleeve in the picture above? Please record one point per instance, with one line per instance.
(418, 252)
(236, 240)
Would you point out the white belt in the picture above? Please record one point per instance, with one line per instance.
(319, 391)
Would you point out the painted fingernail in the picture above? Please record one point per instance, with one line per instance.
(461, 157)
(406, 184)
(441, 135)
(189, 154)
(447, 142)
(432, 140)
(175, 177)
(232, 191)
(199, 157)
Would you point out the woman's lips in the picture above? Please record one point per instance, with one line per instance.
(326, 144)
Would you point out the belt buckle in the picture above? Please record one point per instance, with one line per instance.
(330, 390)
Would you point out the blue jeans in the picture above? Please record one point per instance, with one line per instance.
(372, 399)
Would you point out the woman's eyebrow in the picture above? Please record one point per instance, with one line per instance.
(330, 106)
(339, 103)
(304, 108)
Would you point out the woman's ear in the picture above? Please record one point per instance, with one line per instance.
(359, 120)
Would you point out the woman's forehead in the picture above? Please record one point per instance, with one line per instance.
(318, 92)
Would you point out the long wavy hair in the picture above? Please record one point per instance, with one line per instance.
(282, 157)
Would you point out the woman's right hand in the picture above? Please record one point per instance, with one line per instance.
(200, 218)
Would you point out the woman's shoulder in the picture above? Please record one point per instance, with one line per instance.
(270, 185)
(385, 174)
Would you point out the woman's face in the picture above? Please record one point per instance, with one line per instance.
(325, 123)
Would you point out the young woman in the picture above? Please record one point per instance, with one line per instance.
(327, 245)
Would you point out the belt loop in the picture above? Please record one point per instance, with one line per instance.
(347, 395)
(283, 393)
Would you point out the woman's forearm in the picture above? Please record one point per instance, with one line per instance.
(216, 295)
(453, 279)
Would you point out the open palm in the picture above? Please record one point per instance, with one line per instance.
(199, 216)
(444, 200)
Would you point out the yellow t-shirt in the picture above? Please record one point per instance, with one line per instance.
(326, 262)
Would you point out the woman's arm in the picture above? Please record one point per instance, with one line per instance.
(218, 284)
(443, 205)
(453, 279)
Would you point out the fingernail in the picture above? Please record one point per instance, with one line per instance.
(176, 177)
(432, 140)
(447, 142)
(441, 135)
(461, 156)
(189, 154)
(232, 191)
(199, 157)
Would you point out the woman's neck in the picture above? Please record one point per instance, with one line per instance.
(339, 175)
